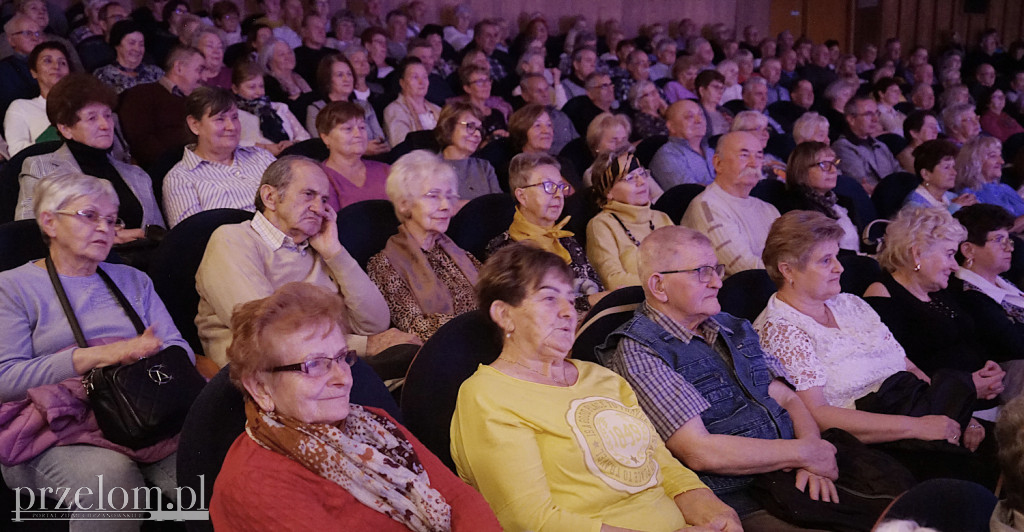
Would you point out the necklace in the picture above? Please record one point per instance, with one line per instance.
(630, 234)
(528, 368)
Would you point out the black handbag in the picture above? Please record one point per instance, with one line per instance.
(140, 404)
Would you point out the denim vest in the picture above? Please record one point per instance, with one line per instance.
(740, 404)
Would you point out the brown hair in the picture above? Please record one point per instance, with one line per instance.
(325, 71)
(515, 270)
(257, 323)
(449, 120)
(208, 101)
(244, 71)
(610, 168)
(792, 237)
(74, 92)
(520, 123)
(800, 161)
(335, 113)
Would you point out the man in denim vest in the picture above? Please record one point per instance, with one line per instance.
(708, 388)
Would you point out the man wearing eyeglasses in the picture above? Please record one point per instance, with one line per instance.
(23, 34)
(701, 377)
(864, 157)
(599, 98)
(37, 10)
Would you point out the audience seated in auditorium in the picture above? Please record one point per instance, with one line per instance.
(994, 121)
(486, 36)
(686, 157)
(888, 95)
(38, 11)
(684, 74)
(424, 276)
(535, 89)
(736, 223)
(96, 51)
(266, 123)
(810, 185)
(153, 114)
(709, 85)
(648, 110)
(439, 90)
(862, 156)
(342, 128)
(370, 473)
(336, 82)
(918, 128)
(935, 164)
(23, 34)
(811, 127)
(757, 124)
(979, 167)
(214, 173)
(536, 182)
(313, 49)
(598, 99)
(282, 83)
(210, 42)
(410, 111)
(292, 237)
(626, 218)
(80, 106)
(521, 400)
(494, 112)
(128, 69)
(458, 134)
(25, 122)
(584, 62)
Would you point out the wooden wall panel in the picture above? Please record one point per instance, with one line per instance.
(925, 16)
(930, 22)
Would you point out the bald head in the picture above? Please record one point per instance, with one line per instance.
(738, 159)
(685, 119)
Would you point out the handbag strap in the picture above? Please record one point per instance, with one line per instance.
(62, 296)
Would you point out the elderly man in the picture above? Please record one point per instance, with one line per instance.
(37, 10)
(214, 173)
(771, 71)
(153, 114)
(736, 223)
(787, 112)
(638, 68)
(817, 71)
(599, 99)
(862, 156)
(702, 379)
(486, 35)
(292, 237)
(95, 50)
(755, 98)
(665, 51)
(536, 90)
(16, 82)
(686, 157)
(308, 56)
(584, 62)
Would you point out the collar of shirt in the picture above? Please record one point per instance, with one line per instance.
(274, 237)
(192, 160)
(708, 329)
(999, 291)
(171, 87)
(868, 142)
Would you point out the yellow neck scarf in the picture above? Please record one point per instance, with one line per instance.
(545, 238)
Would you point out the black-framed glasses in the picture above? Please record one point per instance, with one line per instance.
(94, 218)
(703, 272)
(550, 187)
(318, 367)
(473, 127)
(827, 166)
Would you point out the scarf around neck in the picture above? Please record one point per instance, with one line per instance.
(545, 238)
(271, 124)
(823, 203)
(406, 257)
(370, 458)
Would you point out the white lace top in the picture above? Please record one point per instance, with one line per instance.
(849, 362)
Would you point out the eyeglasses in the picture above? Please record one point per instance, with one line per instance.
(28, 33)
(1002, 240)
(436, 196)
(631, 177)
(703, 272)
(481, 82)
(827, 166)
(94, 218)
(318, 367)
(550, 187)
(473, 127)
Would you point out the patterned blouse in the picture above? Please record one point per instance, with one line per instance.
(406, 314)
(118, 77)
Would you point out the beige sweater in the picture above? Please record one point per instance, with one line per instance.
(737, 227)
(610, 250)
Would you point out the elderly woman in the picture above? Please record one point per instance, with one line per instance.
(961, 123)
(845, 364)
(366, 472)
(557, 470)
(424, 276)
(530, 131)
(979, 168)
(459, 134)
(935, 164)
(918, 128)
(709, 85)
(80, 106)
(626, 217)
(810, 185)
(917, 258)
(649, 107)
(335, 79)
(283, 84)
(837, 94)
(265, 123)
(41, 364)
(979, 288)
(26, 121)
(684, 74)
(994, 120)
(888, 95)
(757, 123)
(540, 190)
(811, 127)
(494, 112)
(460, 33)
(532, 62)
(210, 42)
(129, 41)
(410, 111)
(342, 127)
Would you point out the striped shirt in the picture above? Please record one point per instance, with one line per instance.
(196, 185)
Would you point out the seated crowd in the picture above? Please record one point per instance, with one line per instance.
(649, 179)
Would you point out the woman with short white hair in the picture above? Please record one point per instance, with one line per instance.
(425, 277)
(811, 127)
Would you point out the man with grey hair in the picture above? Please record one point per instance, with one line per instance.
(23, 34)
(862, 156)
(686, 156)
(755, 98)
(292, 237)
(38, 11)
(771, 71)
(665, 51)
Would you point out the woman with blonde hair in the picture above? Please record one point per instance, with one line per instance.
(979, 168)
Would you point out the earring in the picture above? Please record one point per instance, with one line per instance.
(917, 267)
(968, 263)
(508, 334)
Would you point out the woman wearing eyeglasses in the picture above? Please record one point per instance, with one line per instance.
(309, 459)
(49, 436)
(425, 277)
(459, 132)
(622, 192)
(849, 369)
(493, 111)
(540, 191)
(812, 171)
(935, 164)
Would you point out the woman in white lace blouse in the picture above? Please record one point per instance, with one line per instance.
(844, 363)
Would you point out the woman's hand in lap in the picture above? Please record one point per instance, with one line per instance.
(122, 352)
